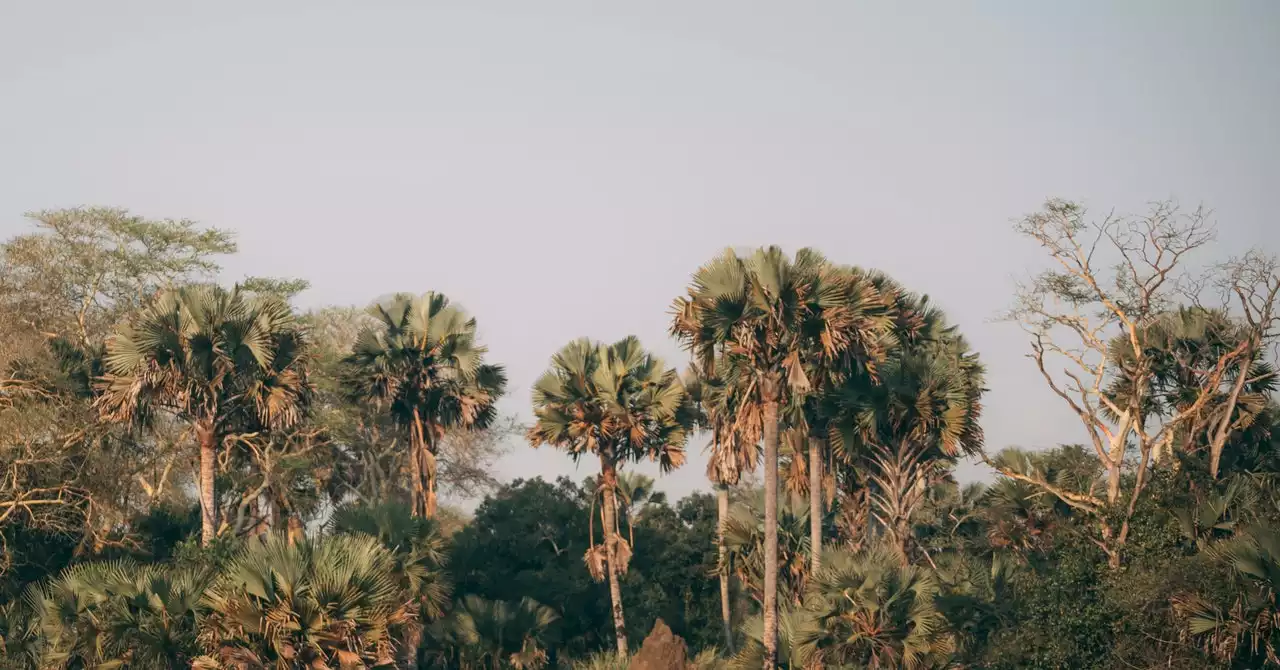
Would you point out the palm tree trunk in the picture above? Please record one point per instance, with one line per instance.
(609, 478)
(418, 465)
(815, 505)
(429, 466)
(726, 612)
(770, 613)
(208, 440)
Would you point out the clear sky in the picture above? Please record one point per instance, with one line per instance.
(561, 168)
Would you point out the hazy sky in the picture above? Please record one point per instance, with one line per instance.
(561, 168)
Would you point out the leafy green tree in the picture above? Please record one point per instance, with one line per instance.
(620, 404)
(526, 540)
(421, 362)
(221, 361)
(84, 268)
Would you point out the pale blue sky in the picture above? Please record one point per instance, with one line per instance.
(561, 168)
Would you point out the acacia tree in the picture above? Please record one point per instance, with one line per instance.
(1098, 313)
(422, 364)
(223, 362)
(620, 404)
(759, 320)
(84, 267)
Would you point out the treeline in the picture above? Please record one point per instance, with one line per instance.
(201, 475)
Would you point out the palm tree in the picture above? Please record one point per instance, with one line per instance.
(867, 610)
(620, 404)
(221, 361)
(878, 312)
(635, 491)
(733, 450)
(757, 321)
(919, 411)
(419, 550)
(1247, 632)
(482, 633)
(108, 614)
(323, 603)
(422, 363)
(745, 542)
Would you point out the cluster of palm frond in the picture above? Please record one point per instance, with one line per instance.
(211, 355)
(480, 633)
(418, 550)
(862, 610)
(744, 539)
(357, 598)
(333, 602)
(1247, 629)
(110, 614)
(616, 401)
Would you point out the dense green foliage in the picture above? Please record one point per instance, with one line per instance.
(197, 476)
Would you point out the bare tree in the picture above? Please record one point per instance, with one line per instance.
(1093, 320)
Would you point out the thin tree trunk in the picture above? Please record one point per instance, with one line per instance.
(1116, 467)
(208, 458)
(815, 505)
(1224, 426)
(770, 605)
(726, 612)
(609, 478)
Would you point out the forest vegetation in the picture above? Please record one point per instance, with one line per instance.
(198, 474)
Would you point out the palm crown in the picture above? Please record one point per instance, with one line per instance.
(618, 402)
(209, 355)
(422, 363)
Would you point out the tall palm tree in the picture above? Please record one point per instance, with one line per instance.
(620, 404)
(733, 450)
(757, 320)
(920, 411)
(421, 363)
(876, 311)
(221, 361)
